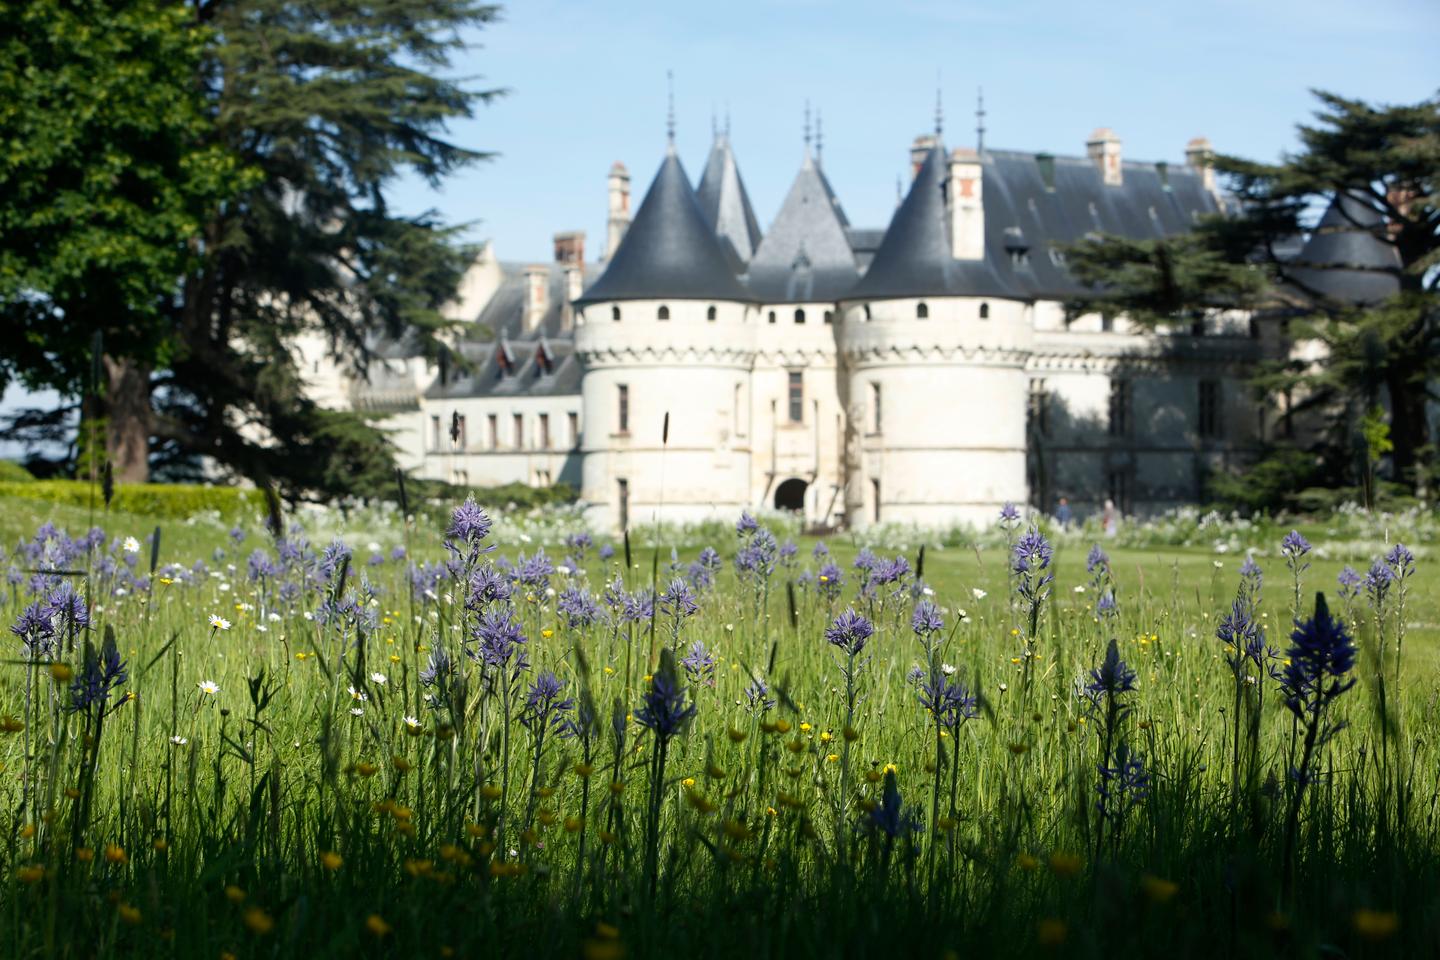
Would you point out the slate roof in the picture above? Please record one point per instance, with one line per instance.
(669, 251)
(914, 259)
(726, 206)
(806, 257)
(536, 366)
(1345, 260)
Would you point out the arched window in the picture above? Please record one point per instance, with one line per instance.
(984, 311)
(710, 313)
(615, 313)
(799, 316)
(771, 318)
(922, 311)
(663, 313)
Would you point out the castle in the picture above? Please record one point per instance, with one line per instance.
(925, 373)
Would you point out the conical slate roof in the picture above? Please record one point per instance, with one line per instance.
(806, 256)
(1345, 259)
(726, 205)
(669, 252)
(914, 259)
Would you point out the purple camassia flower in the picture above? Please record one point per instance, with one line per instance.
(947, 701)
(397, 553)
(831, 581)
(425, 578)
(757, 696)
(438, 668)
(890, 571)
(468, 525)
(499, 641)
(535, 571)
(926, 619)
(577, 607)
(1106, 606)
(376, 559)
(97, 679)
(1009, 515)
(36, 630)
(260, 565)
(663, 708)
(1097, 560)
(889, 818)
(639, 606)
(1321, 655)
(1294, 546)
(1378, 581)
(68, 610)
(487, 585)
(1349, 580)
(1400, 561)
(849, 632)
(579, 542)
(237, 536)
(756, 559)
(788, 551)
(746, 524)
(866, 560)
(699, 664)
(545, 707)
(703, 569)
(1112, 678)
(1032, 553)
(1122, 785)
(819, 550)
(1251, 576)
(678, 601)
(606, 551)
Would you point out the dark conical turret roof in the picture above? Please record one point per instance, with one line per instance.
(914, 259)
(669, 252)
(806, 256)
(1345, 258)
(725, 204)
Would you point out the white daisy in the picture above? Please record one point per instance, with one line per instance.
(218, 622)
(378, 679)
(360, 695)
(356, 712)
(208, 686)
(179, 741)
(412, 723)
(131, 545)
(977, 593)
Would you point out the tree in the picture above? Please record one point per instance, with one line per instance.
(104, 180)
(1377, 169)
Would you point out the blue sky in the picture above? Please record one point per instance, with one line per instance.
(586, 85)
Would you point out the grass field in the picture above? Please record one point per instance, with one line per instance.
(298, 749)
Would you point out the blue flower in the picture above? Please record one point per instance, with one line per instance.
(662, 707)
(889, 817)
(487, 585)
(1097, 560)
(334, 557)
(746, 523)
(1032, 553)
(68, 609)
(849, 632)
(1106, 606)
(468, 524)
(947, 701)
(677, 601)
(758, 696)
(831, 581)
(1112, 678)
(1122, 785)
(544, 705)
(1321, 655)
(499, 639)
(639, 606)
(699, 664)
(577, 607)
(98, 678)
(535, 572)
(926, 619)
(1009, 515)
(36, 630)
(1400, 561)
(1294, 546)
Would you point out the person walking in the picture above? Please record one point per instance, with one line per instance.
(1110, 517)
(1062, 513)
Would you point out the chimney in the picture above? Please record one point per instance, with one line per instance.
(537, 295)
(570, 247)
(1200, 156)
(1046, 163)
(1104, 150)
(619, 208)
(574, 286)
(919, 150)
(967, 209)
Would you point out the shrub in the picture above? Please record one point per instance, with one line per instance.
(161, 500)
(12, 472)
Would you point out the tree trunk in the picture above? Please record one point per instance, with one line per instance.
(1409, 428)
(128, 414)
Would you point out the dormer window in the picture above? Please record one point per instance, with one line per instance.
(984, 311)
(799, 316)
(922, 311)
(663, 313)
(710, 313)
(867, 312)
(771, 317)
(615, 314)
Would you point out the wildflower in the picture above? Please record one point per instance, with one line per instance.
(129, 914)
(888, 817)
(179, 741)
(413, 726)
(544, 705)
(577, 607)
(208, 686)
(36, 630)
(468, 524)
(663, 708)
(114, 853)
(1112, 677)
(699, 664)
(1064, 864)
(1122, 785)
(130, 545)
(947, 701)
(849, 632)
(1375, 924)
(379, 679)
(926, 619)
(258, 921)
(1158, 890)
(219, 622)
(977, 593)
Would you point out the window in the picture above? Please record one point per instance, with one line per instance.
(544, 431)
(663, 313)
(875, 500)
(615, 314)
(1197, 327)
(542, 478)
(799, 316)
(922, 311)
(738, 428)
(435, 432)
(984, 311)
(1107, 323)
(1208, 418)
(710, 313)
(875, 408)
(829, 316)
(460, 478)
(771, 316)
(623, 491)
(1120, 397)
(492, 423)
(796, 384)
(519, 421)
(574, 419)
(623, 409)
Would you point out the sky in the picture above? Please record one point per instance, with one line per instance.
(585, 86)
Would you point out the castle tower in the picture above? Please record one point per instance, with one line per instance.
(919, 326)
(666, 329)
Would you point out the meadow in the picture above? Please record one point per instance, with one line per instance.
(473, 734)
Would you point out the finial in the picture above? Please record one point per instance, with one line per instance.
(939, 108)
(819, 135)
(899, 195)
(670, 114)
(727, 120)
(714, 124)
(980, 121)
(807, 126)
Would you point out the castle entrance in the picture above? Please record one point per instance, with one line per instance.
(790, 495)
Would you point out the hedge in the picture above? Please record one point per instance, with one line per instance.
(12, 472)
(162, 500)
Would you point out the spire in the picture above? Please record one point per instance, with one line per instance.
(807, 128)
(1346, 258)
(670, 112)
(939, 109)
(669, 252)
(980, 121)
(819, 136)
(805, 256)
(726, 206)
